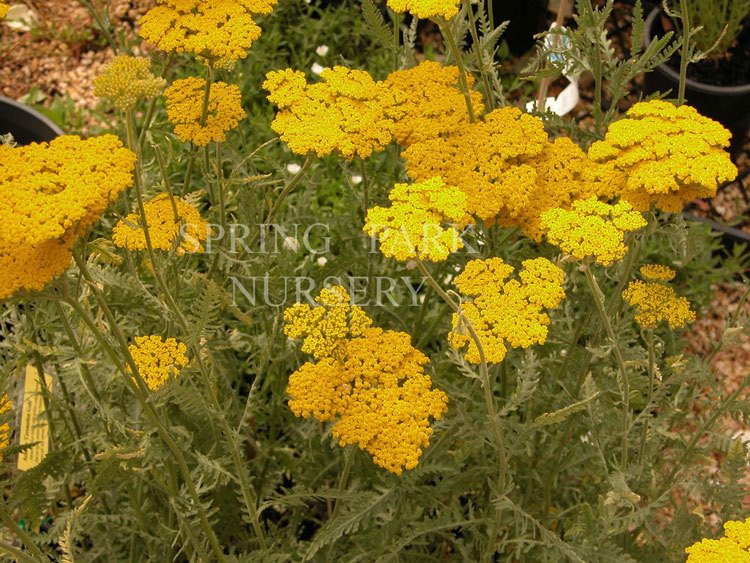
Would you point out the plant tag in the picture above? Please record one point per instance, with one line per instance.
(34, 426)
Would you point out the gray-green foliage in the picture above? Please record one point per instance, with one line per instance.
(720, 21)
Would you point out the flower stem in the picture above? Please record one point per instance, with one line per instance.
(685, 56)
(453, 46)
(344, 478)
(488, 92)
(287, 190)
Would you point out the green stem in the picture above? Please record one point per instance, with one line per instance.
(220, 188)
(287, 190)
(685, 56)
(14, 528)
(599, 301)
(453, 46)
(488, 92)
(343, 479)
(649, 398)
(202, 122)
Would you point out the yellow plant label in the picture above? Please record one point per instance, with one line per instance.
(34, 427)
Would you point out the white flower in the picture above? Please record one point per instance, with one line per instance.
(291, 243)
(356, 179)
(322, 261)
(317, 69)
(322, 50)
(293, 168)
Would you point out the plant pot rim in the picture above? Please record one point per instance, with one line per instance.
(693, 84)
(32, 113)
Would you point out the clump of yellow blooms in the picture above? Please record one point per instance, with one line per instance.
(218, 30)
(655, 301)
(504, 310)
(433, 103)
(170, 221)
(592, 229)
(348, 113)
(733, 547)
(126, 80)
(4, 9)
(49, 195)
(670, 155)
(5, 406)
(371, 381)
(412, 227)
(492, 161)
(424, 9)
(326, 327)
(158, 359)
(185, 110)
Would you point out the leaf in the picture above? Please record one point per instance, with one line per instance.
(559, 415)
(376, 24)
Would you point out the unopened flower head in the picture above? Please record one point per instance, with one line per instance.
(49, 195)
(347, 113)
(220, 31)
(655, 301)
(126, 80)
(505, 311)
(158, 359)
(733, 547)
(425, 9)
(173, 224)
(592, 229)
(185, 110)
(670, 155)
(418, 222)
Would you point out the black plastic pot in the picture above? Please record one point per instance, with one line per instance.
(25, 124)
(527, 18)
(729, 105)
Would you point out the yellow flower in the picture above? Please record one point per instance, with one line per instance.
(3, 9)
(347, 113)
(504, 310)
(379, 394)
(734, 547)
(126, 80)
(219, 30)
(670, 155)
(655, 301)
(491, 161)
(592, 229)
(49, 195)
(424, 9)
(170, 222)
(158, 359)
(326, 327)
(5, 406)
(412, 227)
(185, 109)
(433, 103)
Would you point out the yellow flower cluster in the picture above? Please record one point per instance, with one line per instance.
(373, 384)
(49, 195)
(126, 80)
(348, 112)
(426, 8)
(218, 30)
(670, 155)
(433, 103)
(733, 547)
(592, 229)
(412, 227)
(326, 327)
(158, 359)
(504, 310)
(5, 406)
(185, 109)
(3, 9)
(172, 222)
(655, 301)
(491, 161)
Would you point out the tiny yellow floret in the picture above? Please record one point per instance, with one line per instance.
(126, 80)
(158, 359)
(733, 547)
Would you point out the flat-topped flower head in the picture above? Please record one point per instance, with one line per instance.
(592, 229)
(348, 113)
(185, 109)
(126, 80)
(733, 547)
(504, 311)
(655, 301)
(491, 161)
(433, 102)
(173, 224)
(220, 31)
(425, 9)
(49, 195)
(158, 359)
(669, 154)
(378, 394)
(325, 327)
(418, 222)
(3, 9)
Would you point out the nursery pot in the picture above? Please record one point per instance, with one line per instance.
(729, 105)
(25, 124)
